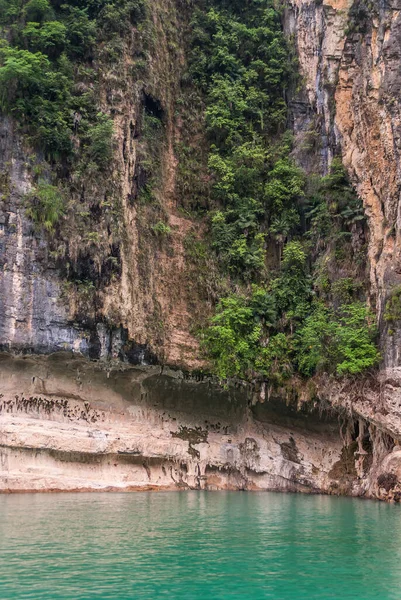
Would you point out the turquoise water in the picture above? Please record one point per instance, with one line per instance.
(198, 545)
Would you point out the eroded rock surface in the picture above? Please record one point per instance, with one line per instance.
(69, 424)
(349, 54)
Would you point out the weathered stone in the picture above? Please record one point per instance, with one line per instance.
(67, 423)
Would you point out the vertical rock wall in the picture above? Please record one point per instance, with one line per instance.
(32, 315)
(104, 283)
(349, 54)
(50, 424)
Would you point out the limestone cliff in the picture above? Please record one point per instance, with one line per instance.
(349, 54)
(67, 424)
(105, 281)
(114, 304)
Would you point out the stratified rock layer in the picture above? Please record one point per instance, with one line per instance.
(67, 424)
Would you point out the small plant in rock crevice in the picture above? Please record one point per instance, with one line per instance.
(161, 229)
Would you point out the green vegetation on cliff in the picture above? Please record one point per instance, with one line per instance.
(240, 61)
(290, 247)
(286, 243)
(61, 69)
(47, 80)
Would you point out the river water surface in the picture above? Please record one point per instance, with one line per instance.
(198, 545)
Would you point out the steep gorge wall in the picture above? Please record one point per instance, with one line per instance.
(104, 284)
(349, 54)
(70, 424)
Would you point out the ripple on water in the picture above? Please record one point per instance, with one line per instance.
(198, 545)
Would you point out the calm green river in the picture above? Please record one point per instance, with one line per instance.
(198, 545)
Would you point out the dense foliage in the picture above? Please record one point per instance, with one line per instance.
(51, 60)
(393, 306)
(240, 61)
(284, 241)
(47, 79)
(46, 204)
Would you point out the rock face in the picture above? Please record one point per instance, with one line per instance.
(32, 315)
(349, 53)
(67, 424)
(106, 286)
(122, 422)
(34, 308)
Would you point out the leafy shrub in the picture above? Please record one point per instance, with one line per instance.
(50, 37)
(238, 338)
(246, 256)
(46, 205)
(341, 341)
(292, 288)
(313, 342)
(344, 289)
(22, 74)
(37, 11)
(115, 17)
(283, 192)
(393, 306)
(38, 80)
(332, 207)
(240, 60)
(161, 229)
(355, 336)
(99, 142)
(38, 96)
(81, 31)
(275, 359)
(232, 340)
